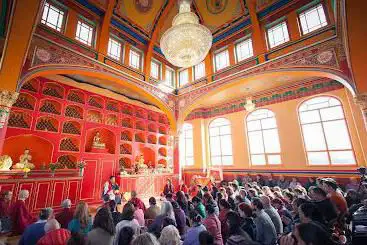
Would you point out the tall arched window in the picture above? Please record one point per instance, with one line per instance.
(187, 145)
(325, 132)
(263, 137)
(220, 142)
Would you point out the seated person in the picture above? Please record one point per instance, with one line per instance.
(54, 234)
(5, 220)
(82, 221)
(135, 199)
(323, 203)
(112, 189)
(20, 215)
(36, 230)
(24, 161)
(168, 188)
(153, 211)
(66, 215)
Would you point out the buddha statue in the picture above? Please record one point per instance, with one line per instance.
(24, 161)
(97, 143)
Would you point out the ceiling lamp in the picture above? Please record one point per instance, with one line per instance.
(249, 106)
(187, 42)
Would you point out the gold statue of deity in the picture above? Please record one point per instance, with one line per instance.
(24, 161)
(97, 142)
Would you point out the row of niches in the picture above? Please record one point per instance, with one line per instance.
(22, 119)
(141, 137)
(27, 101)
(126, 163)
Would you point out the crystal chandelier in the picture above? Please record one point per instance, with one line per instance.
(187, 42)
(249, 106)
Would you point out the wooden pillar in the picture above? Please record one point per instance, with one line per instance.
(232, 59)
(293, 29)
(72, 22)
(105, 31)
(209, 67)
(258, 38)
(127, 54)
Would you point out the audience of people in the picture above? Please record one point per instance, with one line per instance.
(243, 212)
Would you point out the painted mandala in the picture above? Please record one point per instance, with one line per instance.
(43, 55)
(143, 5)
(216, 6)
(325, 57)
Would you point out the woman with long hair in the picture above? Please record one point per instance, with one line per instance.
(82, 221)
(127, 221)
(103, 228)
(182, 201)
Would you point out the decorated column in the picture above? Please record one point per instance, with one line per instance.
(7, 99)
(361, 100)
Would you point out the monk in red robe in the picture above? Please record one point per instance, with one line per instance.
(168, 188)
(136, 201)
(20, 216)
(5, 200)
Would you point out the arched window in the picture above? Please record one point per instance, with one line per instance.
(187, 145)
(325, 132)
(220, 142)
(263, 138)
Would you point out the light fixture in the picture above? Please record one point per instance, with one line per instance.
(187, 42)
(249, 106)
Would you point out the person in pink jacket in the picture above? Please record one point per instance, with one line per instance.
(213, 225)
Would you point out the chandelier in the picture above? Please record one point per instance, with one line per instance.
(187, 42)
(249, 106)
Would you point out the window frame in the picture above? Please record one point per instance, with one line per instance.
(159, 64)
(179, 77)
(274, 24)
(323, 133)
(173, 82)
(217, 52)
(195, 73)
(138, 51)
(89, 23)
(237, 43)
(220, 142)
(122, 48)
(266, 154)
(61, 8)
(185, 138)
(308, 7)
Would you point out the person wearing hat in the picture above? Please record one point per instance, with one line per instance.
(330, 187)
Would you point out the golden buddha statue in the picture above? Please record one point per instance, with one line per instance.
(97, 143)
(24, 161)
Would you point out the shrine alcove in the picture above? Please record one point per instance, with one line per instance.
(40, 149)
(107, 137)
(149, 156)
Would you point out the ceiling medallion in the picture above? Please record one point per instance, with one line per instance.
(216, 6)
(187, 42)
(143, 5)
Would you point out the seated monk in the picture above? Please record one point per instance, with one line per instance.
(20, 216)
(24, 161)
(136, 201)
(66, 215)
(97, 142)
(168, 188)
(112, 189)
(5, 221)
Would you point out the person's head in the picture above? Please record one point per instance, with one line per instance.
(66, 203)
(294, 179)
(288, 196)
(224, 204)
(145, 239)
(51, 225)
(126, 235)
(175, 205)
(298, 202)
(169, 236)
(7, 195)
(245, 210)
(169, 197)
(196, 201)
(46, 213)
(281, 178)
(277, 203)
(233, 222)
(309, 212)
(252, 192)
(266, 201)
(329, 185)
(167, 209)
(180, 196)
(81, 213)
(103, 220)
(26, 151)
(169, 181)
(318, 194)
(257, 205)
(219, 196)
(152, 201)
(311, 234)
(210, 209)
(113, 179)
(352, 196)
(311, 179)
(133, 194)
(195, 218)
(205, 238)
(128, 211)
(243, 193)
(258, 177)
(238, 199)
(23, 195)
